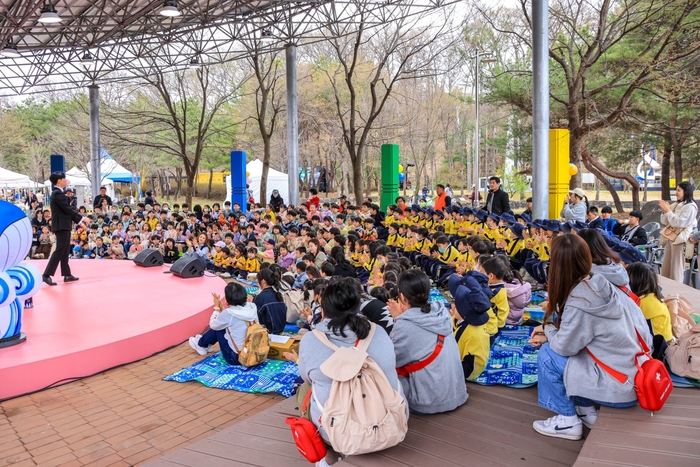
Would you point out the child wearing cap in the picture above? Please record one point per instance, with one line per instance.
(268, 253)
(470, 312)
(498, 274)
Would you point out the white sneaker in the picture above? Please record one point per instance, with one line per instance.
(322, 463)
(589, 418)
(226, 275)
(560, 426)
(210, 348)
(194, 344)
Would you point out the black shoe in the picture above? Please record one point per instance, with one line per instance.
(47, 280)
(70, 279)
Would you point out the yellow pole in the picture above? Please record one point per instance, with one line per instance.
(558, 170)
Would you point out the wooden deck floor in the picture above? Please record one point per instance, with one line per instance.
(493, 428)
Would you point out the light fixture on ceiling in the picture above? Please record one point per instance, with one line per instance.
(194, 63)
(10, 50)
(87, 58)
(170, 9)
(49, 14)
(266, 34)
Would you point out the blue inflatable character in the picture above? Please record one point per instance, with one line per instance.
(18, 281)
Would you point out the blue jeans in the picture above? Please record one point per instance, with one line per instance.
(551, 392)
(211, 337)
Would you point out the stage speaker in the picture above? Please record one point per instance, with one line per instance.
(149, 258)
(187, 267)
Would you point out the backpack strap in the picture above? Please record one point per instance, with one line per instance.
(630, 294)
(364, 343)
(324, 339)
(419, 365)
(621, 377)
(233, 341)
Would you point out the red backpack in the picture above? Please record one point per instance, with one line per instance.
(306, 435)
(652, 382)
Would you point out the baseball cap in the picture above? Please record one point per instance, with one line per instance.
(220, 243)
(578, 192)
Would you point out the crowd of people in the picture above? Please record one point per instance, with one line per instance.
(359, 266)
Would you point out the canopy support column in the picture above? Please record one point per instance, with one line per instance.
(292, 125)
(95, 174)
(540, 109)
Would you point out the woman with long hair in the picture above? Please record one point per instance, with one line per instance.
(605, 261)
(585, 313)
(682, 217)
(343, 267)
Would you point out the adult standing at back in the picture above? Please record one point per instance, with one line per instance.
(276, 201)
(62, 218)
(150, 200)
(575, 206)
(497, 201)
(681, 216)
(442, 200)
(97, 202)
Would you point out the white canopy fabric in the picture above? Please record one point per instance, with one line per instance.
(10, 179)
(275, 181)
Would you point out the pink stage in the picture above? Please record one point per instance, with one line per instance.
(116, 313)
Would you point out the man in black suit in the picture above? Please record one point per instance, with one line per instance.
(62, 218)
(497, 201)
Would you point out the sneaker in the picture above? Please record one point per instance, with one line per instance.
(322, 463)
(559, 426)
(194, 344)
(210, 348)
(225, 275)
(588, 419)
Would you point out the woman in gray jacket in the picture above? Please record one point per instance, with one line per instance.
(427, 357)
(591, 314)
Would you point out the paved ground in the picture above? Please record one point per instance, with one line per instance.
(122, 417)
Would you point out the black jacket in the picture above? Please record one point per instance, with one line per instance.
(500, 203)
(597, 223)
(62, 214)
(276, 202)
(639, 237)
(97, 202)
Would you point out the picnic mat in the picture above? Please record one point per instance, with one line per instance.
(512, 362)
(437, 296)
(270, 376)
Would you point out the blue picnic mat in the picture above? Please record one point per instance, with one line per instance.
(270, 376)
(512, 362)
(437, 296)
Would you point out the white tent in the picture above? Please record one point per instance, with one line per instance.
(275, 181)
(10, 179)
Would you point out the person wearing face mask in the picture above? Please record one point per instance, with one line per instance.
(440, 260)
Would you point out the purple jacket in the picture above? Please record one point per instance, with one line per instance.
(287, 260)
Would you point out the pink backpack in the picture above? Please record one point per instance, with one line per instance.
(519, 296)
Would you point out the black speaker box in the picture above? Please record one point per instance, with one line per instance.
(187, 267)
(149, 258)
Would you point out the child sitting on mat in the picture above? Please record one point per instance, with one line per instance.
(228, 324)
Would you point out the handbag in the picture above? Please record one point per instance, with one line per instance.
(306, 435)
(652, 383)
(670, 233)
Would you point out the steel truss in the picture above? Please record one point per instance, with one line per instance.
(126, 38)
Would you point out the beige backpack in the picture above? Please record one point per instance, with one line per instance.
(294, 299)
(683, 356)
(680, 310)
(363, 412)
(255, 347)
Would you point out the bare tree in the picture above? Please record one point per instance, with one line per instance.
(367, 63)
(174, 112)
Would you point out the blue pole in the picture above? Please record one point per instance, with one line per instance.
(57, 164)
(239, 194)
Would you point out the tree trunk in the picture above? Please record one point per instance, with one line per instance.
(666, 167)
(190, 190)
(619, 175)
(357, 181)
(613, 192)
(178, 175)
(265, 170)
(575, 157)
(211, 179)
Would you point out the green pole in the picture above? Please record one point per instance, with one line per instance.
(390, 174)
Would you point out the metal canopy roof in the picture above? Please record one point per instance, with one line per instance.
(129, 35)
